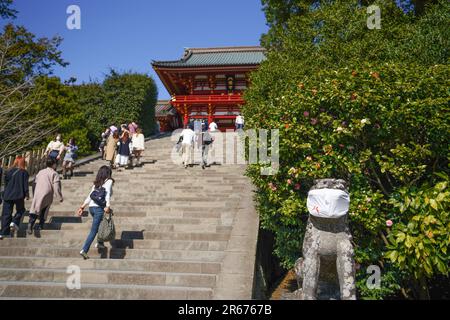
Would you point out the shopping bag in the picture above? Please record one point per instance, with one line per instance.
(107, 229)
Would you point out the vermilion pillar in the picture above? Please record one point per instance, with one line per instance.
(210, 113)
(186, 116)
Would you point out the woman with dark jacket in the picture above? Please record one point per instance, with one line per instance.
(1, 178)
(16, 190)
(124, 149)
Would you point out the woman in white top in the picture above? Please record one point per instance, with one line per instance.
(97, 210)
(138, 142)
(55, 148)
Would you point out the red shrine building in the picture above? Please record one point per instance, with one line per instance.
(167, 116)
(208, 83)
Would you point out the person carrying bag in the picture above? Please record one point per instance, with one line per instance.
(99, 205)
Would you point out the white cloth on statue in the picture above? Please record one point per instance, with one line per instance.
(328, 203)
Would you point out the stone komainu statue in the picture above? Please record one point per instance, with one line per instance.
(327, 269)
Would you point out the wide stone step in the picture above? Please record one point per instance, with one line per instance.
(172, 266)
(189, 236)
(202, 202)
(125, 244)
(208, 228)
(131, 235)
(92, 291)
(116, 253)
(89, 276)
(142, 213)
(173, 230)
(55, 222)
(152, 213)
(154, 219)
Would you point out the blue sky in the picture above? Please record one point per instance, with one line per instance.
(128, 34)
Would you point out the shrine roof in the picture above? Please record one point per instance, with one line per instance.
(227, 56)
(164, 108)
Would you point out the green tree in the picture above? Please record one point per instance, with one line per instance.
(121, 98)
(91, 98)
(24, 56)
(368, 106)
(6, 11)
(65, 116)
(22, 59)
(131, 97)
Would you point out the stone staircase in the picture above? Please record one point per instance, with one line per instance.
(175, 236)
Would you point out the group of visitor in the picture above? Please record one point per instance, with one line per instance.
(197, 132)
(118, 145)
(122, 146)
(55, 150)
(46, 184)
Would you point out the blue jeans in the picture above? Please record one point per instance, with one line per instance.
(97, 214)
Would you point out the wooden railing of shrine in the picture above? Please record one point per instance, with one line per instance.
(35, 161)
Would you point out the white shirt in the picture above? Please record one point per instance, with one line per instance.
(213, 126)
(108, 187)
(188, 136)
(138, 141)
(55, 145)
(239, 120)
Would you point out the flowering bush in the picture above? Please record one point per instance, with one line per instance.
(367, 106)
(388, 142)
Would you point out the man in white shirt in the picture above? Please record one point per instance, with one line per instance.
(186, 145)
(239, 122)
(213, 126)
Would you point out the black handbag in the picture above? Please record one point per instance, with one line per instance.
(207, 139)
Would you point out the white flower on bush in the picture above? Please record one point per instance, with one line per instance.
(339, 129)
(365, 121)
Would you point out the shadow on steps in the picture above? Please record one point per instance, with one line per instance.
(119, 247)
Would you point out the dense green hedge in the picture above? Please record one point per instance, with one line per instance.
(84, 111)
(131, 97)
(65, 116)
(120, 98)
(382, 124)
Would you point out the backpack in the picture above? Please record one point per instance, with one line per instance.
(207, 139)
(98, 195)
